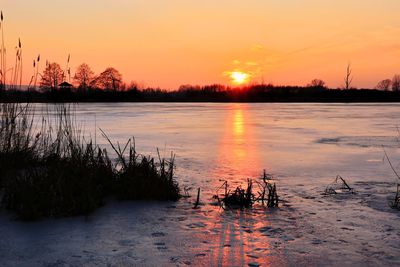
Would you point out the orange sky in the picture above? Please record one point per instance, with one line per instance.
(167, 43)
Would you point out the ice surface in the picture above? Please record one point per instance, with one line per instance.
(303, 145)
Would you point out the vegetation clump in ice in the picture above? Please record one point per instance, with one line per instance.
(395, 203)
(245, 197)
(339, 185)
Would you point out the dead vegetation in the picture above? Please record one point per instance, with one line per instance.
(197, 203)
(339, 186)
(395, 203)
(49, 169)
(264, 192)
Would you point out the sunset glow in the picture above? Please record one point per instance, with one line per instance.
(170, 43)
(202, 133)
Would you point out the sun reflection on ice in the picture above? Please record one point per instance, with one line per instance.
(238, 237)
(238, 241)
(238, 127)
(238, 157)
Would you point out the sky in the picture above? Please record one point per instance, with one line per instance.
(167, 43)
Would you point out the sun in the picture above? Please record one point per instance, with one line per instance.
(239, 77)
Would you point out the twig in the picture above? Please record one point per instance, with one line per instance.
(198, 199)
(390, 163)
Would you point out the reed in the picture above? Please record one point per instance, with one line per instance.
(17, 69)
(48, 168)
(395, 203)
(3, 67)
(33, 81)
(141, 177)
(37, 71)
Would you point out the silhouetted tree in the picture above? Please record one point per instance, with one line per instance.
(52, 76)
(188, 87)
(348, 78)
(84, 76)
(384, 85)
(109, 79)
(317, 83)
(214, 88)
(133, 86)
(396, 83)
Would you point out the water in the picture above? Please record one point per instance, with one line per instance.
(304, 146)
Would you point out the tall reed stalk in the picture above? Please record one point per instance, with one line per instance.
(67, 70)
(17, 70)
(3, 54)
(36, 73)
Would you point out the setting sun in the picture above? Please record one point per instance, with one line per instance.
(239, 78)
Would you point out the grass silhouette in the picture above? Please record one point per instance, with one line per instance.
(52, 171)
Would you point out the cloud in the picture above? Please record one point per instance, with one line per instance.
(257, 47)
(251, 63)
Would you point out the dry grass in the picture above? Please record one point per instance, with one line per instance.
(52, 171)
(245, 197)
(395, 203)
(339, 185)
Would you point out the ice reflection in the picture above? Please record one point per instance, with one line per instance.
(238, 158)
(236, 236)
(238, 127)
(240, 242)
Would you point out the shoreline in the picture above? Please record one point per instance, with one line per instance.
(246, 95)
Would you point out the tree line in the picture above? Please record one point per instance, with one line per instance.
(388, 84)
(83, 79)
(111, 79)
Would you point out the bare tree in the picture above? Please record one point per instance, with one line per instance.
(109, 79)
(348, 78)
(52, 76)
(384, 85)
(317, 83)
(83, 76)
(396, 83)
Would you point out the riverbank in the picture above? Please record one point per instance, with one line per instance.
(253, 94)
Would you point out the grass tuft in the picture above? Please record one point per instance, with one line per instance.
(52, 171)
(395, 203)
(245, 197)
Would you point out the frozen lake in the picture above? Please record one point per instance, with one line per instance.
(304, 146)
